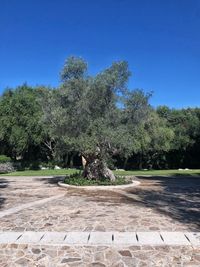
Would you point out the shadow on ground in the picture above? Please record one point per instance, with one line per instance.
(3, 184)
(174, 197)
(177, 174)
(52, 180)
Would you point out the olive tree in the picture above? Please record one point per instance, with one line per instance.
(91, 114)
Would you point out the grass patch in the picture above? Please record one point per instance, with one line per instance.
(160, 172)
(42, 172)
(76, 179)
(52, 172)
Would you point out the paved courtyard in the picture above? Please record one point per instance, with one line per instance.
(158, 204)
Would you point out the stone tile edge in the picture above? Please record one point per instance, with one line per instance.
(8, 237)
(100, 187)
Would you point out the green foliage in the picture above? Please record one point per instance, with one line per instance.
(4, 159)
(65, 172)
(85, 114)
(184, 123)
(51, 164)
(74, 68)
(49, 172)
(185, 146)
(97, 117)
(78, 180)
(19, 119)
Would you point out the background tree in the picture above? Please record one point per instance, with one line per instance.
(186, 124)
(150, 134)
(19, 120)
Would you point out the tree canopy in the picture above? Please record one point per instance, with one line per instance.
(99, 118)
(20, 120)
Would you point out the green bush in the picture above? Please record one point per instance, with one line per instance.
(4, 159)
(77, 179)
(49, 164)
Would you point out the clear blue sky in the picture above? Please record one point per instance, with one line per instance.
(159, 38)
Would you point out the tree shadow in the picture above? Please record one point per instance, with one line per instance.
(175, 197)
(178, 198)
(52, 180)
(3, 184)
(177, 174)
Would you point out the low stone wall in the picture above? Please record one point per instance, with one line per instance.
(100, 187)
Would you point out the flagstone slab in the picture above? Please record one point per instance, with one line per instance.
(98, 256)
(149, 238)
(174, 238)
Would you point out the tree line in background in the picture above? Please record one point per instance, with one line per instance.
(97, 118)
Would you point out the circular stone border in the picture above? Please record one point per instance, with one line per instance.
(99, 187)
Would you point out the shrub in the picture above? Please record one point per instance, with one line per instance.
(6, 167)
(4, 159)
(5, 164)
(49, 164)
(77, 179)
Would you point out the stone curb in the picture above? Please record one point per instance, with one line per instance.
(102, 238)
(100, 187)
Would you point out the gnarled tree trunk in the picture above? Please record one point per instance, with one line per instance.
(96, 169)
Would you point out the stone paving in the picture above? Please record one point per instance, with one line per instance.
(15, 191)
(158, 204)
(98, 256)
(154, 206)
